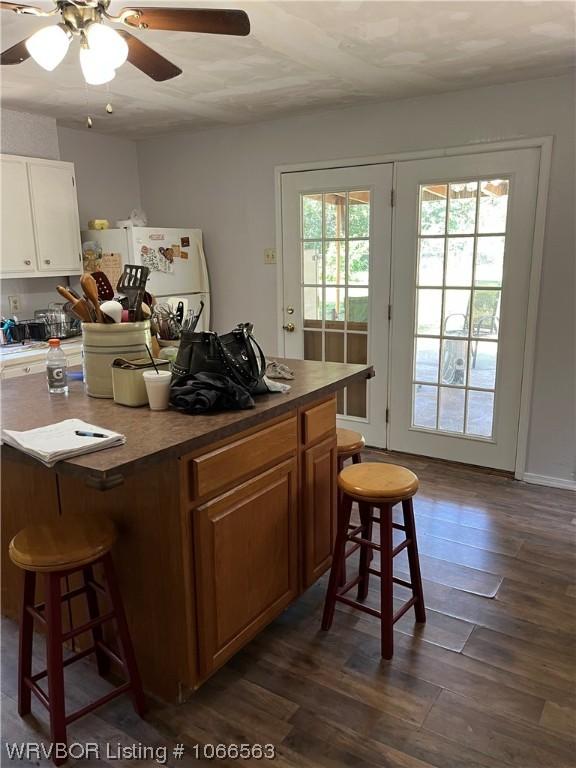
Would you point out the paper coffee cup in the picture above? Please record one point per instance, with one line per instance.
(158, 389)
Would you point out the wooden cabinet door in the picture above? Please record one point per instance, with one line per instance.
(18, 245)
(246, 561)
(319, 508)
(56, 221)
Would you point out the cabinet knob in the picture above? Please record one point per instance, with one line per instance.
(27, 262)
(27, 369)
(47, 261)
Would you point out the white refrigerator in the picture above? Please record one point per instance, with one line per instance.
(175, 257)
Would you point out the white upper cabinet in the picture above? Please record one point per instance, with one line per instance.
(40, 222)
(17, 233)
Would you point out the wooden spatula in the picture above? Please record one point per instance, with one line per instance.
(91, 292)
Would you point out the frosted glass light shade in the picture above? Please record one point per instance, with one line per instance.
(108, 44)
(48, 46)
(95, 70)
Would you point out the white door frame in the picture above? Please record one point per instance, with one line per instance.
(544, 144)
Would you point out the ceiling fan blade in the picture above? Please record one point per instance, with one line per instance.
(15, 55)
(209, 20)
(147, 60)
(16, 7)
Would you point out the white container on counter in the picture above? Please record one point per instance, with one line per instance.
(103, 344)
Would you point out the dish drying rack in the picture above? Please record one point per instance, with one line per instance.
(39, 330)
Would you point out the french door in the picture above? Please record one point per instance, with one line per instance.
(336, 237)
(461, 271)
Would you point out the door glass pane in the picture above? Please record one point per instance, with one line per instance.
(489, 262)
(429, 311)
(480, 413)
(358, 261)
(493, 205)
(335, 214)
(459, 289)
(312, 262)
(462, 209)
(335, 284)
(483, 355)
(451, 410)
(459, 261)
(486, 314)
(454, 362)
(431, 261)
(359, 214)
(433, 209)
(336, 262)
(424, 406)
(427, 354)
(312, 306)
(311, 217)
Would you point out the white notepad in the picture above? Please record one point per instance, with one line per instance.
(57, 442)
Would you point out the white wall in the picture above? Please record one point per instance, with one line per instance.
(106, 173)
(222, 181)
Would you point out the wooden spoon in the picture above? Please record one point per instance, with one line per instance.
(79, 307)
(91, 292)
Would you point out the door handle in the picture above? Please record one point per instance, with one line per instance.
(290, 327)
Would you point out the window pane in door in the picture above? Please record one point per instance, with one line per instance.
(454, 362)
(335, 260)
(427, 354)
(429, 311)
(312, 262)
(489, 262)
(424, 406)
(335, 214)
(433, 209)
(358, 261)
(312, 217)
(483, 356)
(493, 205)
(459, 261)
(334, 352)
(451, 410)
(312, 306)
(462, 208)
(486, 314)
(359, 214)
(312, 345)
(335, 307)
(456, 312)
(480, 413)
(431, 261)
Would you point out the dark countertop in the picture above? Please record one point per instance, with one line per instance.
(156, 435)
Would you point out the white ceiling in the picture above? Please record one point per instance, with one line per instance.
(302, 55)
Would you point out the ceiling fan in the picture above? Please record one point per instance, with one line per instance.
(103, 48)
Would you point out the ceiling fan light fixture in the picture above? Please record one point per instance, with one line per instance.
(96, 71)
(49, 45)
(108, 44)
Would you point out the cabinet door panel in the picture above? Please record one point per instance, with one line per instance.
(18, 246)
(56, 222)
(245, 544)
(319, 508)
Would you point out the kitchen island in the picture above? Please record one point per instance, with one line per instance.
(223, 519)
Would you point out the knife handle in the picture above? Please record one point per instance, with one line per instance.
(65, 293)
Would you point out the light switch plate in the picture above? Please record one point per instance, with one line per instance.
(14, 304)
(270, 256)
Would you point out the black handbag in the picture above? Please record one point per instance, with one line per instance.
(236, 355)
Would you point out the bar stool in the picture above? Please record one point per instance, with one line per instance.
(70, 544)
(350, 445)
(376, 486)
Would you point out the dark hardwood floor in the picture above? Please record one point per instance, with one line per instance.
(488, 682)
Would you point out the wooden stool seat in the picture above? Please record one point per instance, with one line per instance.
(377, 482)
(349, 442)
(67, 543)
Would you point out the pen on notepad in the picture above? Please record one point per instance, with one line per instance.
(89, 434)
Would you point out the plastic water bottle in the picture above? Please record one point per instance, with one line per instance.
(56, 363)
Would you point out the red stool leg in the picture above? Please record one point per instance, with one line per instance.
(102, 660)
(26, 642)
(365, 550)
(357, 458)
(414, 561)
(54, 662)
(344, 512)
(386, 583)
(340, 466)
(126, 649)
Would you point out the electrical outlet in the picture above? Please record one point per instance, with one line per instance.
(14, 304)
(270, 256)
